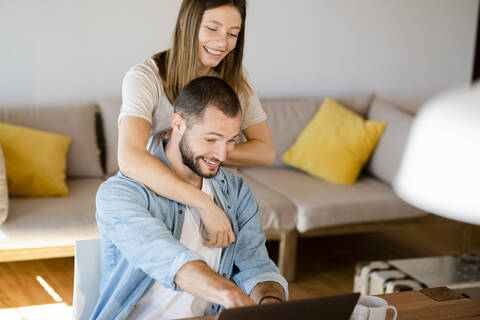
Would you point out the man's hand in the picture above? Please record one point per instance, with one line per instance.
(233, 297)
(267, 292)
(217, 224)
(268, 299)
(200, 280)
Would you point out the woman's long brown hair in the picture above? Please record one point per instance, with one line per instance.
(178, 65)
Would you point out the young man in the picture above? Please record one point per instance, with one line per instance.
(155, 262)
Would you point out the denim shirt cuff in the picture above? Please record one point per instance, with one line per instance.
(179, 261)
(267, 276)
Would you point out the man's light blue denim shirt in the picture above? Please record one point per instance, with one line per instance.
(140, 240)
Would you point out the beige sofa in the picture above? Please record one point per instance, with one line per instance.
(46, 227)
(292, 203)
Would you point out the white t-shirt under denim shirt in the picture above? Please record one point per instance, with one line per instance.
(143, 96)
(160, 303)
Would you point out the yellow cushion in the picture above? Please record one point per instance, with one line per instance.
(335, 144)
(35, 161)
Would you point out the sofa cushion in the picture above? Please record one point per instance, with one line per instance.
(3, 189)
(109, 110)
(288, 117)
(323, 204)
(275, 210)
(387, 155)
(35, 161)
(335, 144)
(50, 222)
(76, 122)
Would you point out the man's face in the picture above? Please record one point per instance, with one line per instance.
(207, 143)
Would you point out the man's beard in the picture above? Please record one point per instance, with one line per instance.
(191, 161)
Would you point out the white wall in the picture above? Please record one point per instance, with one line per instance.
(63, 51)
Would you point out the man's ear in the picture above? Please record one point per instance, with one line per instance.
(178, 123)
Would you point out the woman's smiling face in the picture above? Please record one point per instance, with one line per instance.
(218, 34)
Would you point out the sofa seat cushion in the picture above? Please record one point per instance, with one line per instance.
(48, 222)
(323, 204)
(275, 210)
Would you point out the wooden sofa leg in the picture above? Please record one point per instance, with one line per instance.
(466, 234)
(287, 255)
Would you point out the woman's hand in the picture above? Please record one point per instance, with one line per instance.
(219, 228)
(166, 134)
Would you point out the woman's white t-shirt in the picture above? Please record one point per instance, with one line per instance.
(143, 96)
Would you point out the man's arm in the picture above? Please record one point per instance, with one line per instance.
(123, 216)
(201, 281)
(267, 292)
(251, 256)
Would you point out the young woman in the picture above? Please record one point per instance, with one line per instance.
(208, 40)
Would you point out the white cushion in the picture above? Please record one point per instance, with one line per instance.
(387, 155)
(324, 204)
(52, 221)
(3, 189)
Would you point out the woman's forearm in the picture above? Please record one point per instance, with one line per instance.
(147, 169)
(253, 153)
(159, 178)
(138, 164)
(258, 151)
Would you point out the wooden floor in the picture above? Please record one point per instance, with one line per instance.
(325, 265)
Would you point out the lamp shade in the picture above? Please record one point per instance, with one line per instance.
(440, 168)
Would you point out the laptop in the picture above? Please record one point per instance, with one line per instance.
(338, 307)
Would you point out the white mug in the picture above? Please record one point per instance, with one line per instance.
(372, 308)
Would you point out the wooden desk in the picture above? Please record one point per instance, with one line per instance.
(419, 305)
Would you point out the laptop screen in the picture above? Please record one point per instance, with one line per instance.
(337, 307)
